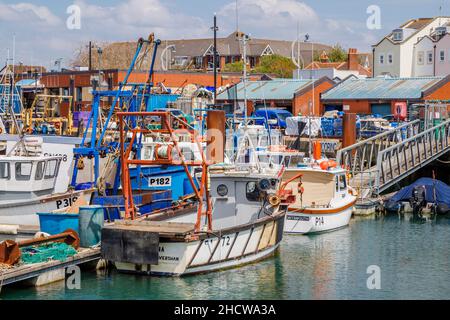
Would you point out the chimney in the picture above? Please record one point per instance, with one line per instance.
(353, 60)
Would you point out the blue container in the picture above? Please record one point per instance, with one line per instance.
(90, 225)
(54, 223)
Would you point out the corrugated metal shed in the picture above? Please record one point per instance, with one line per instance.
(380, 88)
(277, 89)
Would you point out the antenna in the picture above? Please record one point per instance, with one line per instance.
(237, 16)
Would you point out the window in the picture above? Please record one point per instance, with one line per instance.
(23, 170)
(342, 182)
(420, 57)
(39, 170)
(442, 56)
(390, 58)
(79, 94)
(198, 62)
(181, 61)
(4, 170)
(381, 58)
(251, 191)
(51, 169)
(430, 57)
(397, 36)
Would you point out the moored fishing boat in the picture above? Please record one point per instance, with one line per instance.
(233, 223)
(28, 181)
(321, 198)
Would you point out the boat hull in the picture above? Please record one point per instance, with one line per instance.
(306, 223)
(24, 212)
(235, 247)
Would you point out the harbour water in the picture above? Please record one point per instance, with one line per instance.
(413, 258)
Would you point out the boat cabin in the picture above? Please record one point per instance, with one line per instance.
(321, 188)
(22, 177)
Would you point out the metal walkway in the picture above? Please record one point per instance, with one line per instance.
(378, 163)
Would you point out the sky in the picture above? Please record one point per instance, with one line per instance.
(42, 33)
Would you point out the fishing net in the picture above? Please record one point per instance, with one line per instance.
(43, 253)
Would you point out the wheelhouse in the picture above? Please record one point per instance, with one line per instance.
(28, 174)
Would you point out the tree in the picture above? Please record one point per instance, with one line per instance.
(237, 66)
(337, 54)
(275, 64)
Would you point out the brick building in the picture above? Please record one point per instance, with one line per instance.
(79, 84)
(379, 95)
(296, 96)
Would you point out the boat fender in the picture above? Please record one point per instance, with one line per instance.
(442, 208)
(9, 229)
(391, 206)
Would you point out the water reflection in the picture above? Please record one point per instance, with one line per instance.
(413, 258)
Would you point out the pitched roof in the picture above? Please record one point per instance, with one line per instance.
(381, 88)
(415, 24)
(277, 89)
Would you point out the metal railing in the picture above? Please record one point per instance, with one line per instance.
(400, 160)
(362, 156)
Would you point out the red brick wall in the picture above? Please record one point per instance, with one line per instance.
(301, 102)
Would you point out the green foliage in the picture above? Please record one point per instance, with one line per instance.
(237, 66)
(337, 54)
(276, 64)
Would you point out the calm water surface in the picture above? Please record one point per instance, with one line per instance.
(414, 259)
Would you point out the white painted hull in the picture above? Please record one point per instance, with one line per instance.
(306, 223)
(23, 212)
(233, 249)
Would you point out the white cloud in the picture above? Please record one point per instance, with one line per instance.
(134, 18)
(29, 13)
(270, 17)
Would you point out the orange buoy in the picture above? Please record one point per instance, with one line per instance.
(332, 164)
(324, 165)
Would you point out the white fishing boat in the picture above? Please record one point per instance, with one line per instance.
(245, 229)
(321, 199)
(233, 223)
(27, 185)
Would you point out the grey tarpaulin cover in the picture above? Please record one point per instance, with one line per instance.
(292, 126)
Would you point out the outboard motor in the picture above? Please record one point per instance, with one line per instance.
(417, 200)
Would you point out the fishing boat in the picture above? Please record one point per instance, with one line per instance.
(233, 223)
(28, 181)
(321, 199)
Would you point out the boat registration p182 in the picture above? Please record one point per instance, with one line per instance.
(165, 181)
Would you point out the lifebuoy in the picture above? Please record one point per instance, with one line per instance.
(400, 110)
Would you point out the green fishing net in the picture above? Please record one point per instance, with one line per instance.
(46, 252)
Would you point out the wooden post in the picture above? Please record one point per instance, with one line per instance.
(348, 129)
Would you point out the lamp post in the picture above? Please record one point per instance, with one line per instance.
(215, 29)
(244, 38)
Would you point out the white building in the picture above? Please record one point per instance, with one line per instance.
(395, 55)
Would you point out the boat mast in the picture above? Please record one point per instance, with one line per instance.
(215, 28)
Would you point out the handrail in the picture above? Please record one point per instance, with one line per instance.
(441, 143)
(374, 138)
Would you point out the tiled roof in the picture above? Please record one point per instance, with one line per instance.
(381, 88)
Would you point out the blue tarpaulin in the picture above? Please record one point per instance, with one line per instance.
(442, 191)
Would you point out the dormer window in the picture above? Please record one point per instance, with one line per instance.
(440, 31)
(397, 35)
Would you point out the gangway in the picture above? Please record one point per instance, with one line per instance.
(383, 160)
